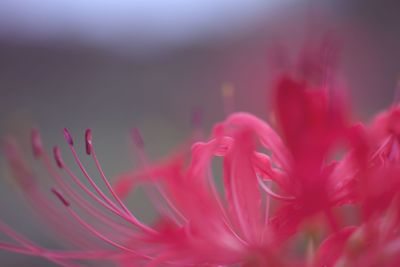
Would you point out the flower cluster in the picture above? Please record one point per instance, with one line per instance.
(314, 189)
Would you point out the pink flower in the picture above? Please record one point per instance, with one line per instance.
(313, 125)
(317, 181)
(197, 225)
(375, 241)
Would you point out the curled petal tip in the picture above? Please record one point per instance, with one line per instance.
(218, 130)
(57, 157)
(137, 138)
(60, 196)
(68, 137)
(36, 140)
(88, 141)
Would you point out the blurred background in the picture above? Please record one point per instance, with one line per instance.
(114, 65)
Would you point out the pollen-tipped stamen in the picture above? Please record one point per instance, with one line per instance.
(131, 219)
(105, 201)
(90, 228)
(57, 157)
(137, 138)
(103, 237)
(89, 145)
(60, 196)
(68, 138)
(88, 141)
(61, 165)
(36, 140)
(139, 144)
(28, 246)
(82, 202)
(19, 169)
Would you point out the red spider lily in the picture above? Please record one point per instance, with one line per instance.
(375, 242)
(277, 184)
(313, 126)
(197, 226)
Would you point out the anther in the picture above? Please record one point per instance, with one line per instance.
(60, 196)
(36, 141)
(137, 138)
(57, 157)
(88, 140)
(68, 137)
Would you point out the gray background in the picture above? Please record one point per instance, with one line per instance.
(60, 79)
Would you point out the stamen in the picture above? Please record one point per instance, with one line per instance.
(162, 258)
(20, 171)
(131, 219)
(382, 147)
(104, 238)
(17, 237)
(90, 228)
(71, 255)
(90, 148)
(107, 203)
(46, 209)
(88, 143)
(225, 218)
(52, 257)
(36, 140)
(57, 157)
(68, 137)
(138, 142)
(267, 209)
(273, 194)
(137, 138)
(60, 196)
(330, 54)
(267, 215)
(214, 144)
(82, 202)
(238, 211)
(28, 246)
(49, 213)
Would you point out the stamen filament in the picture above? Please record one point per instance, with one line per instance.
(132, 219)
(81, 201)
(139, 144)
(105, 180)
(273, 194)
